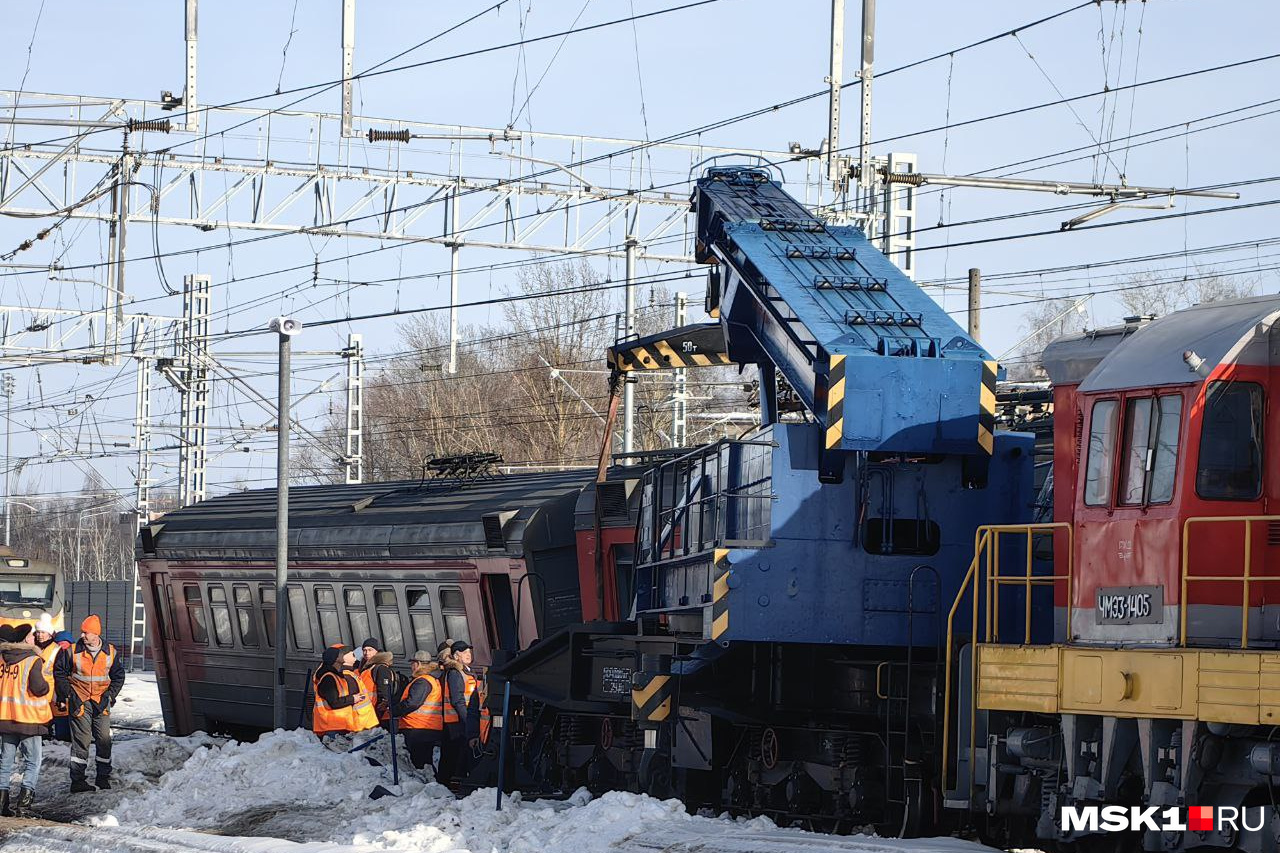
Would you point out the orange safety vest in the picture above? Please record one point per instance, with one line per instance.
(353, 718)
(17, 705)
(50, 654)
(469, 683)
(365, 677)
(90, 673)
(427, 715)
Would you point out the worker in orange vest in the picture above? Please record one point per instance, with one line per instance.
(377, 678)
(486, 719)
(419, 713)
(88, 677)
(24, 716)
(341, 706)
(461, 712)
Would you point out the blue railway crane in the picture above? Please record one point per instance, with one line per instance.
(789, 588)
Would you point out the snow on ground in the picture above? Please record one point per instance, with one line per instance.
(138, 704)
(290, 794)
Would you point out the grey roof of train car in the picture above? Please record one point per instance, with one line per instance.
(1069, 360)
(1153, 356)
(374, 521)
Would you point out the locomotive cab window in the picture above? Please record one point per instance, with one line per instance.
(1150, 458)
(221, 614)
(1102, 441)
(195, 613)
(1230, 465)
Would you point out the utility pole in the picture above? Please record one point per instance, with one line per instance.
(866, 176)
(9, 384)
(353, 460)
(975, 304)
(112, 341)
(680, 394)
(836, 173)
(285, 329)
(629, 332)
(453, 279)
(194, 391)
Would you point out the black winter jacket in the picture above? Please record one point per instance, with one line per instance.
(328, 689)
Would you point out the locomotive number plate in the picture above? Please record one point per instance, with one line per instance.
(1130, 605)
(616, 680)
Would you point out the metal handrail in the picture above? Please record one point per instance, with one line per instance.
(1245, 580)
(986, 541)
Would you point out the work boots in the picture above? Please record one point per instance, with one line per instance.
(4, 804)
(104, 783)
(22, 806)
(80, 786)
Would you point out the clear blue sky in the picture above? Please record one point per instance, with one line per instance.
(695, 66)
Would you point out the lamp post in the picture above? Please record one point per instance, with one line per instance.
(285, 329)
(9, 384)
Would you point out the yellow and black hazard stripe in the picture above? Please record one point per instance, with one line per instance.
(662, 356)
(835, 402)
(987, 407)
(720, 595)
(651, 697)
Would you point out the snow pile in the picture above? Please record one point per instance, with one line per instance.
(284, 771)
(288, 786)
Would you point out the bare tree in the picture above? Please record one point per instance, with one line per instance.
(1148, 294)
(1043, 324)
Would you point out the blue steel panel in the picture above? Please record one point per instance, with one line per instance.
(797, 294)
(817, 584)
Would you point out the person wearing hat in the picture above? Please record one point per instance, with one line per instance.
(377, 678)
(24, 717)
(88, 677)
(458, 690)
(61, 722)
(419, 713)
(341, 706)
(48, 651)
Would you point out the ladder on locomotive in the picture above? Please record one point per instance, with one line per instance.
(904, 766)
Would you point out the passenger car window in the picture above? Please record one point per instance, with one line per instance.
(221, 614)
(268, 596)
(1230, 464)
(195, 613)
(424, 632)
(1102, 440)
(384, 599)
(299, 619)
(454, 612)
(357, 613)
(244, 615)
(327, 612)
